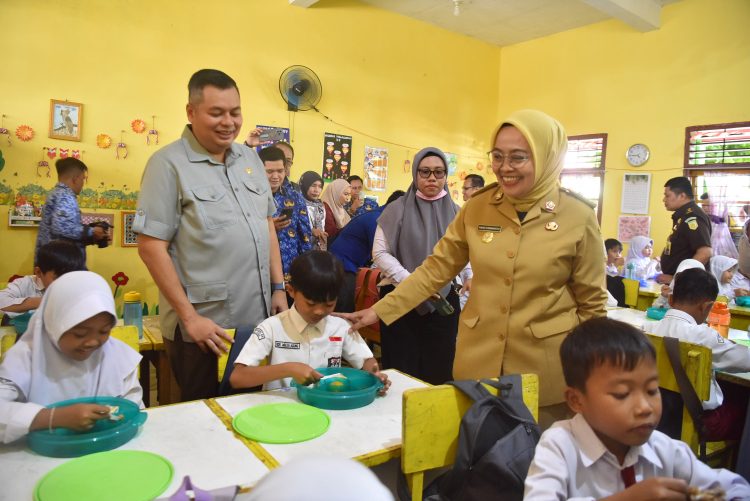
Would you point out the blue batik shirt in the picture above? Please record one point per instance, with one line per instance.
(61, 220)
(368, 205)
(295, 239)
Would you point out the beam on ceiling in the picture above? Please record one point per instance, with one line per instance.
(302, 3)
(643, 15)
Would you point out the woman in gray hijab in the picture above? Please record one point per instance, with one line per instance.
(422, 343)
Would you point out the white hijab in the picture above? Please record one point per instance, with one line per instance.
(42, 372)
(635, 252)
(720, 264)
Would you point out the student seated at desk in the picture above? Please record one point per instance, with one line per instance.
(610, 449)
(692, 298)
(615, 261)
(53, 260)
(305, 336)
(731, 282)
(66, 353)
(663, 300)
(640, 260)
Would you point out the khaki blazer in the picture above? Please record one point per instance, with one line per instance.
(533, 283)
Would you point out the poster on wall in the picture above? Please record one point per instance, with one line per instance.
(270, 135)
(375, 168)
(632, 226)
(337, 157)
(635, 192)
(452, 163)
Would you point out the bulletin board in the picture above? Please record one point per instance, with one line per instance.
(129, 237)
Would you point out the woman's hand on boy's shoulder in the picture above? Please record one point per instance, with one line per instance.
(358, 319)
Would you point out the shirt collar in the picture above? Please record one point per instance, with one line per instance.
(680, 315)
(300, 324)
(591, 448)
(197, 153)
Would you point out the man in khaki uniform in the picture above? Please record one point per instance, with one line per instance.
(537, 256)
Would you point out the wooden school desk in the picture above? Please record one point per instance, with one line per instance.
(189, 435)
(166, 386)
(370, 434)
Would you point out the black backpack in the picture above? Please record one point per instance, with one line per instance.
(496, 443)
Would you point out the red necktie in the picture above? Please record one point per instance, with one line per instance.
(628, 476)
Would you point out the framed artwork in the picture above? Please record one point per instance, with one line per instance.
(128, 235)
(65, 120)
(632, 226)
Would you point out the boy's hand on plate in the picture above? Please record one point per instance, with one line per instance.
(303, 373)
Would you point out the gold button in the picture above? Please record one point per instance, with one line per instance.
(511, 254)
(517, 231)
(501, 337)
(507, 281)
(503, 309)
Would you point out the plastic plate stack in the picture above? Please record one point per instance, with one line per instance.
(356, 389)
(105, 435)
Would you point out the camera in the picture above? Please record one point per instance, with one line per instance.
(105, 226)
(442, 306)
(287, 212)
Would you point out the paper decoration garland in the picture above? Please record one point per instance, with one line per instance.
(64, 152)
(51, 152)
(24, 133)
(6, 132)
(103, 141)
(43, 164)
(153, 132)
(138, 126)
(122, 146)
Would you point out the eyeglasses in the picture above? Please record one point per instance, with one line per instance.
(425, 173)
(515, 160)
(467, 188)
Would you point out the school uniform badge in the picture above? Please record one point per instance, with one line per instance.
(692, 223)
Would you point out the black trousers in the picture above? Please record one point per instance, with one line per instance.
(194, 370)
(422, 346)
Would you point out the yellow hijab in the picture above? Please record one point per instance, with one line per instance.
(549, 144)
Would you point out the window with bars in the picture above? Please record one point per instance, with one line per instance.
(583, 171)
(717, 161)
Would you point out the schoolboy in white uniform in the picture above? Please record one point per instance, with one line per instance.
(691, 301)
(305, 336)
(54, 259)
(610, 449)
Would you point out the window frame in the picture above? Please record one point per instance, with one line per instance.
(595, 171)
(718, 166)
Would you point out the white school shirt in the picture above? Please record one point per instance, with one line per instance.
(739, 281)
(571, 463)
(612, 270)
(18, 290)
(726, 355)
(286, 337)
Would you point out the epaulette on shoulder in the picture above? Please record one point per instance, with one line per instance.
(580, 197)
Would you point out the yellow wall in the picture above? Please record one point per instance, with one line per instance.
(383, 74)
(638, 88)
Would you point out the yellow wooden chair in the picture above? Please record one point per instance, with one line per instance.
(631, 291)
(7, 339)
(431, 420)
(696, 360)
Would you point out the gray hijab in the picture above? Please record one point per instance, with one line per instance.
(413, 226)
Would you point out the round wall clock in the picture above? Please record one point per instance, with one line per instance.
(637, 154)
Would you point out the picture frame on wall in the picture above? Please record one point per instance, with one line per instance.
(129, 237)
(65, 120)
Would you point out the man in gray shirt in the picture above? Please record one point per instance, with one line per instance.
(206, 235)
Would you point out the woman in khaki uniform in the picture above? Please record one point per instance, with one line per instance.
(537, 256)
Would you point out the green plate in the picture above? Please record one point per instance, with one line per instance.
(282, 423)
(121, 475)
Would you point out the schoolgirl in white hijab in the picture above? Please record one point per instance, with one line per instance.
(723, 269)
(66, 353)
(639, 254)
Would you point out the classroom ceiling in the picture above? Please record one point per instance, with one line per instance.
(507, 22)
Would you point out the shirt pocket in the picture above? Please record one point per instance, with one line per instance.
(559, 324)
(210, 300)
(257, 197)
(215, 206)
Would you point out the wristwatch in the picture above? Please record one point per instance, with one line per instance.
(277, 287)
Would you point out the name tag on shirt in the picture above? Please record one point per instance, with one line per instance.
(286, 345)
